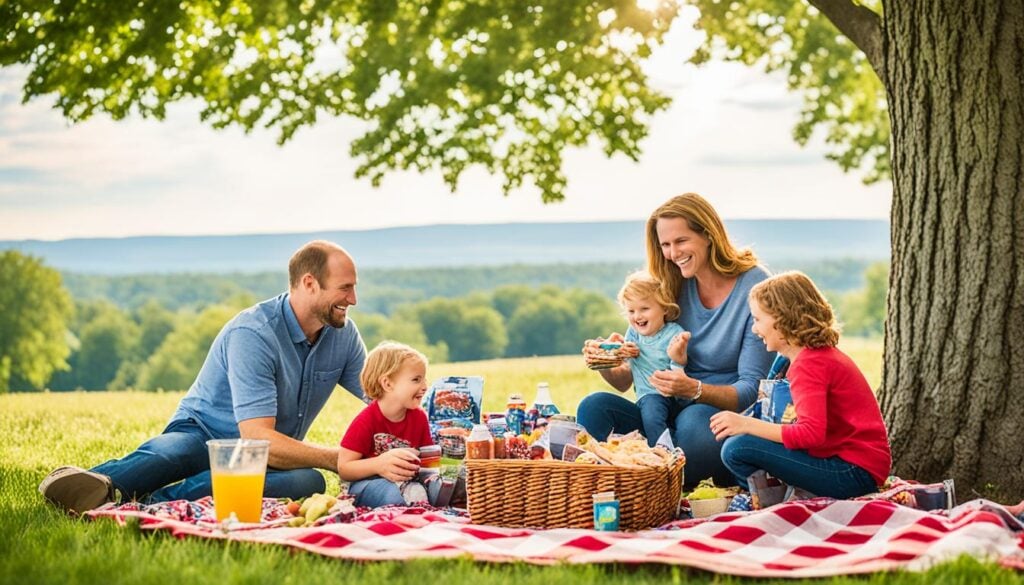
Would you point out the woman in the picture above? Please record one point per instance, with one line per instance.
(689, 251)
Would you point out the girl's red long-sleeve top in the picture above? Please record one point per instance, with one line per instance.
(837, 413)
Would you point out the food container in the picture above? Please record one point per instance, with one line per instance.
(710, 507)
(606, 512)
(561, 433)
(479, 443)
(430, 456)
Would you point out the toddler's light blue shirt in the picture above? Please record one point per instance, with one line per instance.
(653, 356)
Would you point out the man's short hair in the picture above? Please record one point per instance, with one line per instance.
(311, 258)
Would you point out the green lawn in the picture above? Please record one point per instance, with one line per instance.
(40, 545)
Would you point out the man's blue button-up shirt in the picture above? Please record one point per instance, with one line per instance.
(261, 365)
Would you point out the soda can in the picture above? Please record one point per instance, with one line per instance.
(514, 419)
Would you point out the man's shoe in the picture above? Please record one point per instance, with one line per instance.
(77, 490)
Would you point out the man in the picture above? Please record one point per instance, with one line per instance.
(268, 374)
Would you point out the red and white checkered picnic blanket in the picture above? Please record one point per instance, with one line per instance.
(797, 539)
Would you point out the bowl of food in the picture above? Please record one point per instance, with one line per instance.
(707, 499)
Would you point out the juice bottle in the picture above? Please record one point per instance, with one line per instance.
(479, 443)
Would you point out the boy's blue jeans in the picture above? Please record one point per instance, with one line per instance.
(831, 477)
(602, 412)
(376, 491)
(180, 453)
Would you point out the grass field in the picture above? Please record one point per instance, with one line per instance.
(40, 545)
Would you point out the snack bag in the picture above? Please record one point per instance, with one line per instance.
(454, 402)
(765, 490)
(774, 399)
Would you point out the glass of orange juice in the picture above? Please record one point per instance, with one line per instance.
(238, 468)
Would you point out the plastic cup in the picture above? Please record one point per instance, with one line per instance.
(238, 468)
(930, 498)
(606, 512)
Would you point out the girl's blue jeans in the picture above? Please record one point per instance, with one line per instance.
(175, 465)
(831, 477)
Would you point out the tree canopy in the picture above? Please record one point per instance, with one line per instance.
(34, 310)
(442, 85)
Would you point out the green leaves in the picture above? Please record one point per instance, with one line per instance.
(443, 85)
(34, 310)
(503, 84)
(843, 97)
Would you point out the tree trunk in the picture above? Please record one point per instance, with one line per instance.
(953, 376)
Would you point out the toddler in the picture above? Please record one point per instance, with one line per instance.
(661, 343)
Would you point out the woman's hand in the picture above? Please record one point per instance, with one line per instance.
(398, 464)
(674, 383)
(726, 424)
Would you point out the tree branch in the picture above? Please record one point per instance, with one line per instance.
(858, 23)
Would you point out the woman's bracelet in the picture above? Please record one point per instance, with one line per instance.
(700, 390)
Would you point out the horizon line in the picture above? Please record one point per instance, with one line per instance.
(414, 226)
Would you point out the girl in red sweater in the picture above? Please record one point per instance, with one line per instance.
(837, 446)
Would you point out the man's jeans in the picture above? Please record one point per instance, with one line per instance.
(831, 477)
(374, 492)
(180, 453)
(603, 412)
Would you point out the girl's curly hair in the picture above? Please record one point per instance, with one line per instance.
(802, 315)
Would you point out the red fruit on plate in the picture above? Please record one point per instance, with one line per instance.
(293, 508)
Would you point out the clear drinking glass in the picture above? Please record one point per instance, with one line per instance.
(238, 468)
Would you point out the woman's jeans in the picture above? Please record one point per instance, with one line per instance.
(180, 453)
(602, 412)
(831, 477)
(376, 491)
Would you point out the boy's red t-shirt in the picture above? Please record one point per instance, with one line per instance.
(371, 433)
(837, 413)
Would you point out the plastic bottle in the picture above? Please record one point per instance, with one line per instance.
(479, 443)
(543, 403)
(516, 413)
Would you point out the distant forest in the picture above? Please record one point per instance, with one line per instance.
(153, 331)
(383, 290)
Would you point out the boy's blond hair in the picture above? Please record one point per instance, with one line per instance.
(641, 285)
(802, 314)
(384, 361)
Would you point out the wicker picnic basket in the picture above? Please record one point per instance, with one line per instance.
(556, 494)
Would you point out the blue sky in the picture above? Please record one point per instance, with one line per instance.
(727, 136)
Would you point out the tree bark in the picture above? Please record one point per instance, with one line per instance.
(953, 375)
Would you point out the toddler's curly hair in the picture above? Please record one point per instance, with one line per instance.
(641, 285)
(802, 314)
(384, 361)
